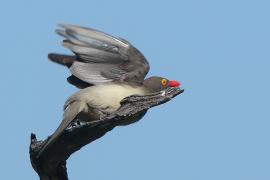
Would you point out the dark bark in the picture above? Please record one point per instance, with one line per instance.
(49, 160)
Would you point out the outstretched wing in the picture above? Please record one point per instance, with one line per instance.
(101, 58)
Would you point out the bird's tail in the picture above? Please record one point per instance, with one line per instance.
(65, 60)
(70, 113)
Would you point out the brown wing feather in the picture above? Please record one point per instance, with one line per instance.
(65, 60)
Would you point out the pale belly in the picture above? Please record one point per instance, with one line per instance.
(106, 97)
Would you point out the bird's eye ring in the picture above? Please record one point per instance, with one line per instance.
(164, 82)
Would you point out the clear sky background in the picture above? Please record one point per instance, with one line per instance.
(218, 129)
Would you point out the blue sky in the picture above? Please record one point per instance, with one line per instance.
(218, 50)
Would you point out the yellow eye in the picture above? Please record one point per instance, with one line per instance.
(164, 82)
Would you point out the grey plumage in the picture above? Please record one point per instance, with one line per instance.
(93, 55)
(107, 69)
(102, 58)
(70, 113)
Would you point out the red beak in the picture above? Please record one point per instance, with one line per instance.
(174, 84)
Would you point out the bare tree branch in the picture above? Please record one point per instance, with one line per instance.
(49, 160)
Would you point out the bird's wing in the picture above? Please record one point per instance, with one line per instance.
(101, 58)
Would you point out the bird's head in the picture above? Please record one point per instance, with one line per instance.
(157, 84)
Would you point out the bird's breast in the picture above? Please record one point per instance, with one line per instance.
(108, 97)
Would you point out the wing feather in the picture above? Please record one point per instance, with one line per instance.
(102, 58)
(90, 73)
(91, 54)
(95, 34)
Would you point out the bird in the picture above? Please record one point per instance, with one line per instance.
(106, 69)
